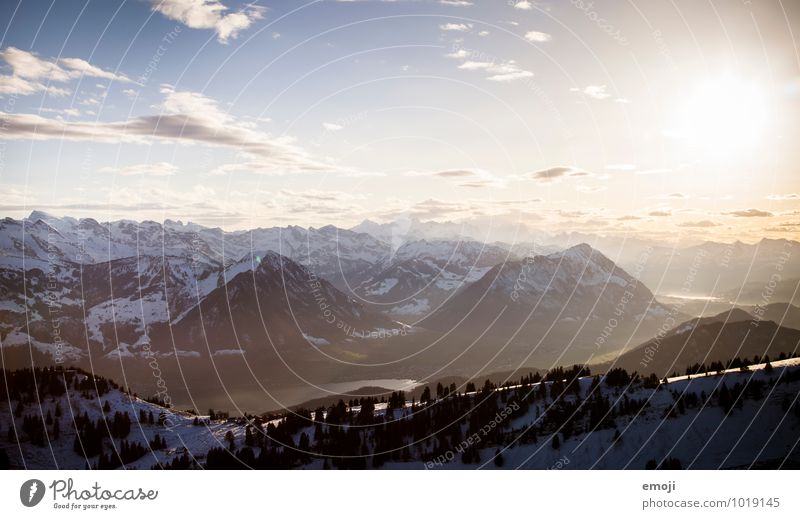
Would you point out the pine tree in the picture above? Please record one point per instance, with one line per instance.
(498, 458)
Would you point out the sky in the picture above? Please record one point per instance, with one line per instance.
(643, 118)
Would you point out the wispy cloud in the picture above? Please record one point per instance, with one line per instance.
(788, 196)
(593, 91)
(29, 71)
(699, 224)
(457, 27)
(538, 37)
(749, 213)
(496, 71)
(332, 127)
(188, 117)
(557, 173)
(154, 169)
(468, 177)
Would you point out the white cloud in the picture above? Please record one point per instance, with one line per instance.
(458, 27)
(28, 71)
(483, 33)
(525, 5)
(538, 37)
(459, 54)
(154, 169)
(789, 196)
(457, 3)
(557, 173)
(466, 177)
(332, 127)
(596, 92)
(502, 72)
(620, 167)
(590, 189)
(81, 67)
(210, 14)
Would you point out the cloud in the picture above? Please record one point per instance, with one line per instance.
(81, 67)
(557, 173)
(332, 127)
(593, 91)
(699, 223)
(656, 171)
(474, 178)
(590, 189)
(788, 196)
(671, 196)
(28, 71)
(501, 72)
(660, 213)
(457, 27)
(620, 167)
(483, 33)
(538, 37)
(524, 5)
(16, 85)
(189, 118)
(750, 213)
(210, 14)
(457, 3)
(154, 169)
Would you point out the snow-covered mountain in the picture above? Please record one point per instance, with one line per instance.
(280, 305)
(422, 274)
(705, 341)
(577, 298)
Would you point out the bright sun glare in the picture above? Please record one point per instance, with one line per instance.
(723, 118)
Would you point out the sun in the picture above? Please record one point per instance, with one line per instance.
(722, 118)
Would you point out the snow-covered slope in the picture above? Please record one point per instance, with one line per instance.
(577, 297)
(739, 419)
(423, 274)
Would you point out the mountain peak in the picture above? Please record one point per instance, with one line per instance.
(41, 215)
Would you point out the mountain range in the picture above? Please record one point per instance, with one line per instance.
(344, 303)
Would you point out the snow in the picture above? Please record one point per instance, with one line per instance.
(385, 286)
(316, 341)
(19, 338)
(415, 307)
(726, 441)
(221, 353)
